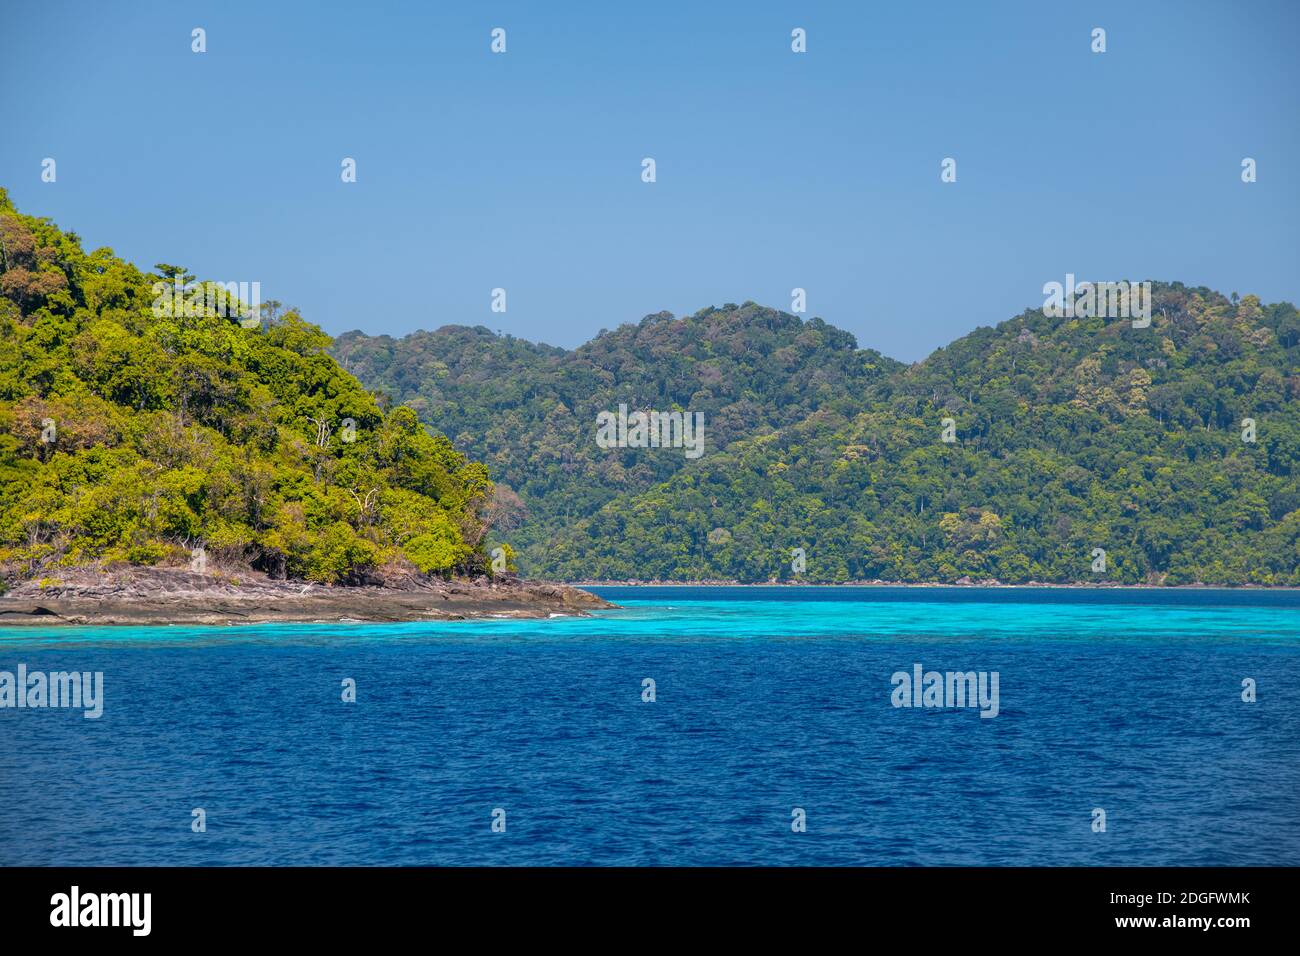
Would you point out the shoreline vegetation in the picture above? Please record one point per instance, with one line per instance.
(212, 464)
(298, 477)
(167, 596)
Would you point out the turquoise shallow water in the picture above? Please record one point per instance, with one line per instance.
(740, 614)
(767, 700)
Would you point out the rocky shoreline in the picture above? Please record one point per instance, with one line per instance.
(964, 582)
(159, 596)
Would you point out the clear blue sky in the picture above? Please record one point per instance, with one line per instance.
(775, 170)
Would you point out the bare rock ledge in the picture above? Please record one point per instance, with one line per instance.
(179, 596)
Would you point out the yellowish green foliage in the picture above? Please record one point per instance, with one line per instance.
(126, 435)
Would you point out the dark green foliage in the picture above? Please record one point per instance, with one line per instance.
(1072, 435)
(529, 411)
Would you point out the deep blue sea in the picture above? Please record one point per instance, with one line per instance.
(766, 700)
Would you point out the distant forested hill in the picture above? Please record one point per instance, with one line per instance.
(1072, 438)
(132, 438)
(529, 411)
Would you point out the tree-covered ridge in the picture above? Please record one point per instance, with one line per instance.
(529, 411)
(128, 437)
(1071, 436)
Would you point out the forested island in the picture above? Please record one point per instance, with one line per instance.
(169, 459)
(1080, 451)
(155, 466)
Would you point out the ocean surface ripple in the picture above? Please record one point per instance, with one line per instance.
(766, 700)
